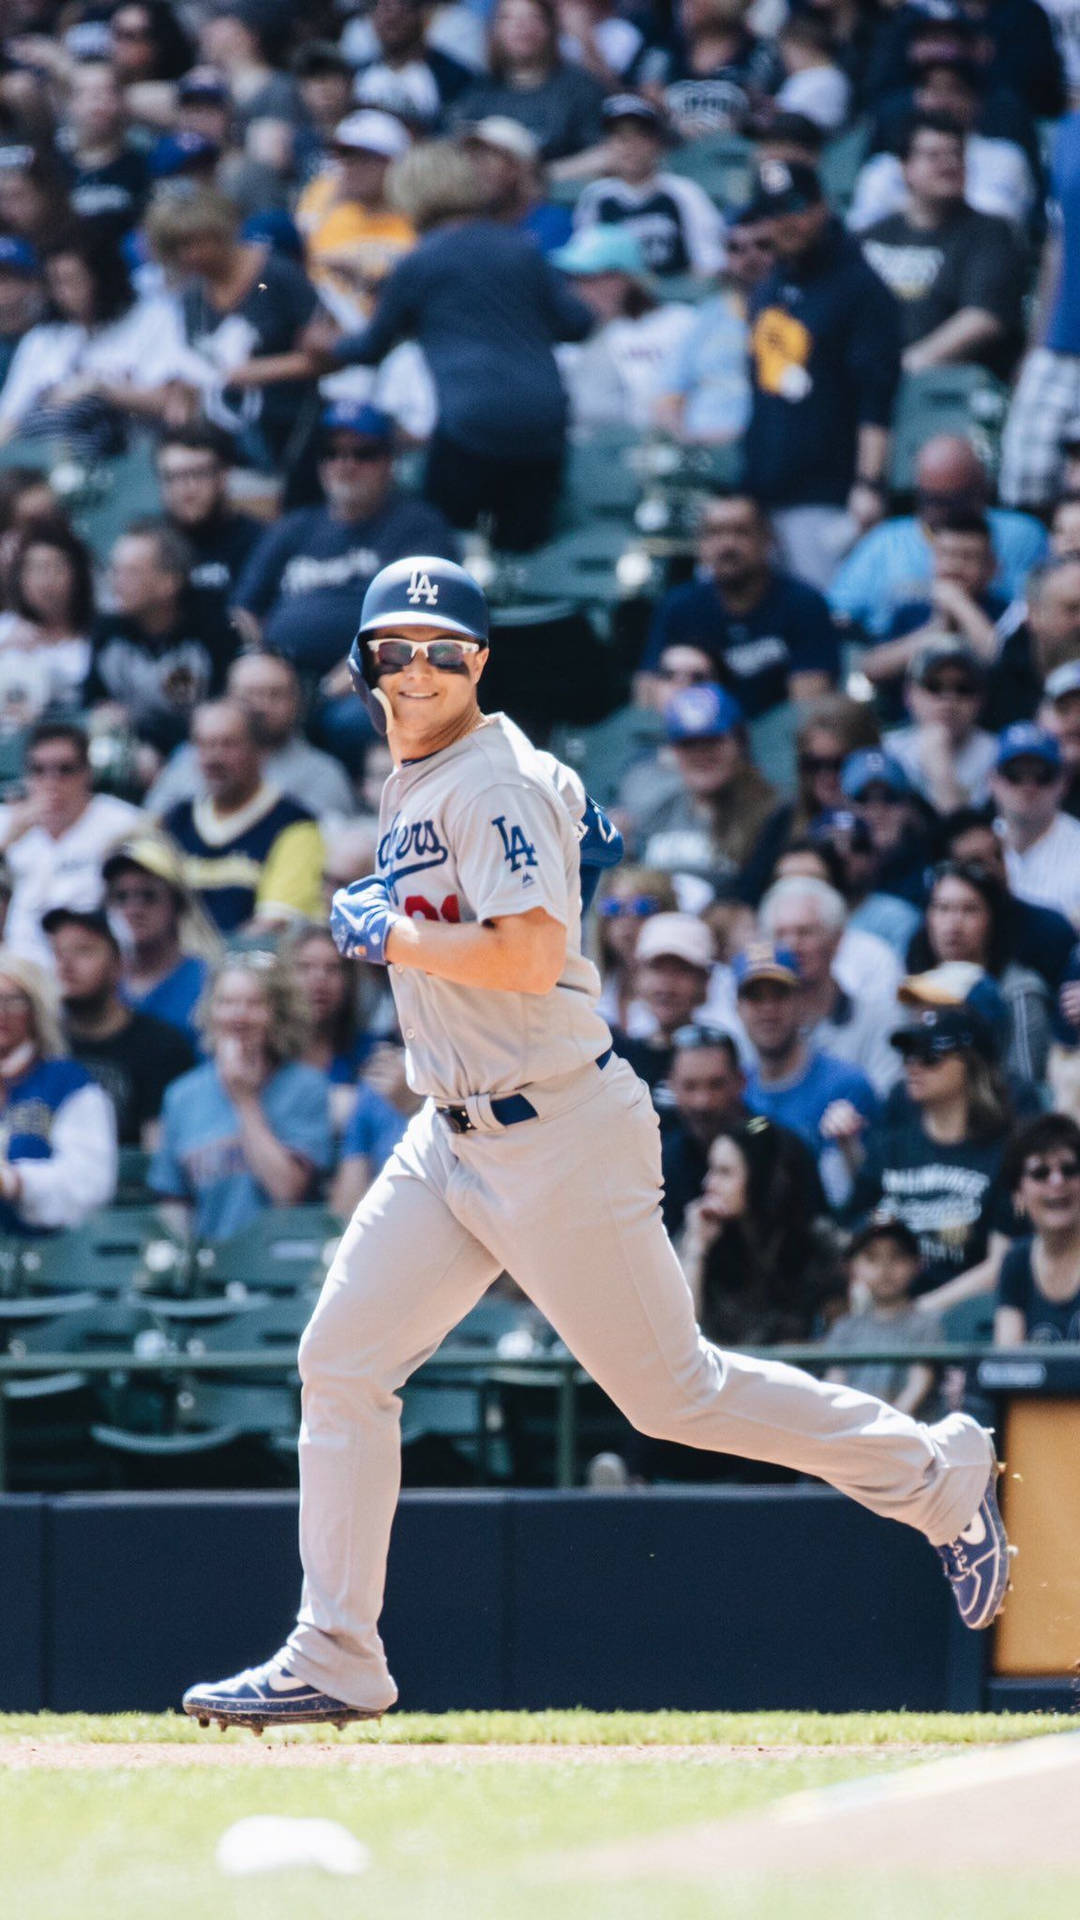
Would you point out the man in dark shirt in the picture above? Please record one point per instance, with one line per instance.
(165, 646)
(192, 471)
(772, 636)
(134, 1056)
(825, 365)
(307, 575)
(706, 1091)
(401, 73)
(20, 296)
(958, 275)
(110, 176)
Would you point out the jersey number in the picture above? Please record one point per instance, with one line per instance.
(417, 908)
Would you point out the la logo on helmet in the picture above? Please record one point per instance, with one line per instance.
(422, 587)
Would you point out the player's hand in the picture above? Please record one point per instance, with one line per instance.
(362, 919)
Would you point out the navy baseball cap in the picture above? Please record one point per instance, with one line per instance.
(631, 106)
(94, 919)
(946, 653)
(1025, 741)
(883, 1225)
(273, 228)
(939, 1031)
(784, 186)
(17, 256)
(359, 417)
(179, 153)
(203, 83)
(762, 961)
(870, 767)
(707, 712)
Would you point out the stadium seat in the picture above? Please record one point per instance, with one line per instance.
(602, 753)
(722, 163)
(118, 1250)
(962, 400)
(970, 1321)
(133, 1166)
(840, 162)
(209, 1415)
(600, 479)
(283, 1251)
(597, 566)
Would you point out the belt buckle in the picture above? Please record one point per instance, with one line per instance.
(457, 1118)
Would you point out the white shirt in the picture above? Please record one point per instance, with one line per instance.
(972, 764)
(616, 377)
(1048, 874)
(642, 213)
(61, 873)
(823, 94)
(144, 348)
(80, 1174)
(998, 181)
(65, 663)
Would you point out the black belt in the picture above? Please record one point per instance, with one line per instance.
(508, 1109)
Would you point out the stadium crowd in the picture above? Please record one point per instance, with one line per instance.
(283, 300)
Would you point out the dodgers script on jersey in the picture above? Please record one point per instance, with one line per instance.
(489, 826)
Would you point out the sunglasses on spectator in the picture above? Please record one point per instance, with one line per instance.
(203, 470)
(1042, 1171)
(961, 689)
(918, 1049)
(58, 769)
(359, 450)
(638, 906)
(1015, 774)
(695, 1037)
(393, 656)
(821, 762)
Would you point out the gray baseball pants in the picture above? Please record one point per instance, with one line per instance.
(569, 1205)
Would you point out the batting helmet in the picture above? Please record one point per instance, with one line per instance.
(424, 591)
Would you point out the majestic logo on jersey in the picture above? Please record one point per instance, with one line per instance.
(422, 587)
(410, 846)
(517, 851)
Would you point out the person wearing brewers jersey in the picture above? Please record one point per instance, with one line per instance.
(676, 224)
(535, 1151)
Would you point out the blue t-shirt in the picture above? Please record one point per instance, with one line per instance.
(800, 1105)
(548, 224)
(1063, 332)
(789, 631)
(201, 1155)
(374, 1128)
(175, 998)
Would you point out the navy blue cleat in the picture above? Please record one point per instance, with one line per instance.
(977, 1563)
(267, 1696)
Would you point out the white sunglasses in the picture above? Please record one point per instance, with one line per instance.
(393, 656)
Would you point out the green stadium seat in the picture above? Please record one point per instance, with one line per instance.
(599, 565)
(210, 1415)
(841, 159)
(602, 753)
(285, 1250)
(600, 479)
(118, 1250)
(722, 163)
(132, 1189)
(108, 1326)
(962, 400)
(970, 1321)
(269, 1326)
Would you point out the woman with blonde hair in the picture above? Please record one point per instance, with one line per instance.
(57, 1126)
(531, 82)
(486, 309)
(167, 942)
(830, 729)
(251, 1128)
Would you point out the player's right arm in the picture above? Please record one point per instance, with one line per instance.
(513, 953)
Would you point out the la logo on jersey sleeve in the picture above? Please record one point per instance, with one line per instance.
(518, 852)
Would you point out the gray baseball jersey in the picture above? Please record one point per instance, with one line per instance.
(488, 826)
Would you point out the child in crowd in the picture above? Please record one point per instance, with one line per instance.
(884, 1263)
(679, 229)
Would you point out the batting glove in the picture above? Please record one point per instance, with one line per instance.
(362, 919)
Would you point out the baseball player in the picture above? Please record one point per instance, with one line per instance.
(536, 1151)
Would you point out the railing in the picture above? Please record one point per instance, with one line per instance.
(1027, 1368)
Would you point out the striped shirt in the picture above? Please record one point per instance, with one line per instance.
(1048, 874)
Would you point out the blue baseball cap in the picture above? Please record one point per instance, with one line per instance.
(1026, 741)
(870, 767)
(601, 249)
(359, 417)
(762, 961)
(273, 228)
(179, 153)
(17, 256)
(707, 712)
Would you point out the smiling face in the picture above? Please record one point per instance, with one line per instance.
(429, 706)
(1049, 1190)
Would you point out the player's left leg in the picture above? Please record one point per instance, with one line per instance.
(590, 1248)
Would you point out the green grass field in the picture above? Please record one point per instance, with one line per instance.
(115, 1828)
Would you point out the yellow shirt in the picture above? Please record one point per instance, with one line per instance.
(371, 241)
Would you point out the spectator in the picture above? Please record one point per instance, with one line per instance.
(1046, 399)
(825, 359)
(998, 172)
(249, 316)
(629, 897)
(826, 1102)
(1039, 1286)
(251, 857)
(558, 102)
(718, 815)
(20, 296)
(59, 1155)
(33, 195)
(865, 962)
(352, 235)
(492, 363)
(164, 647)
(51, 595)
(237, 39)
(1037, 636)
(1059, 713)
(884, 1263)
(961, 603)
(705, 389)
(771, 635)
(132, 1055)
(807, 919)
(104, 357)
(677, 226)
(946, 755)
(268, 686)
(382, 1111)
(147, 42)
(830, 729)
(707, 1091)
(109, 174)
(1065, 526)
(755, 1258)
(193, 474)
(672, 962)
(398, 71)
(880, 794)
(1038, 937)
(596, 36)
(958, 275)
(506, 159)
(166, 940)
(720, 71)
(935, 1159)
(815, 85)
(893, 563)
(967, 925)
(251, 1128)
(303, 583)
(1042, 844)
(614, 379)
(335, 1045)
(883, 916)
(324, 82)
(1017, 42)
(56, 836)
